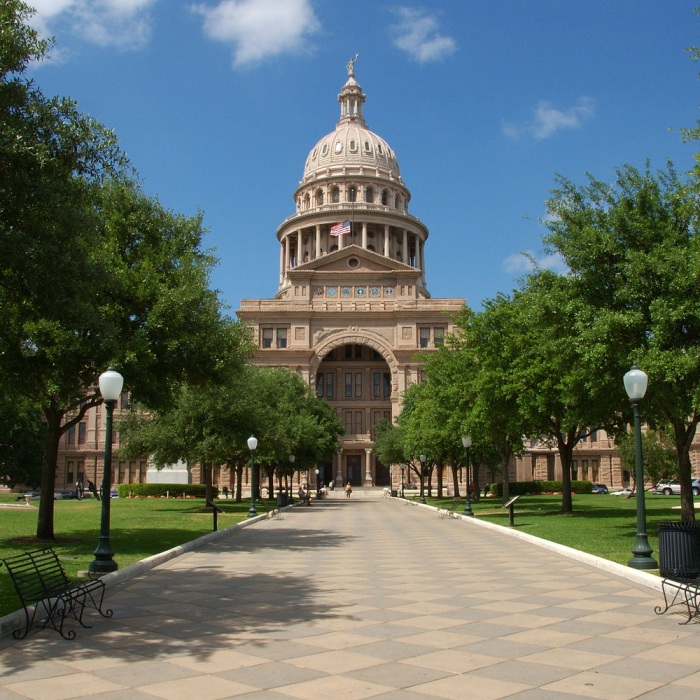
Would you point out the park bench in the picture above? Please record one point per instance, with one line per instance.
(48, 596)
(682, 592)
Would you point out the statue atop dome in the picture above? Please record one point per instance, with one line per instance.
(351, 66)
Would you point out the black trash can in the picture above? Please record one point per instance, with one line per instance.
(394, 493)
(679, 549)
(281, 499)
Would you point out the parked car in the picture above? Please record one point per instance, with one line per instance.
(62, 494)
(599, 488)
(114, 493)
(668, 488)
(622, 492)
(30, 496)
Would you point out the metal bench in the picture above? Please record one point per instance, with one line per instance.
(681, 592)
(48, 596)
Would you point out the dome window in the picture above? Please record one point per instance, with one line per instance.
(335, 195)
(313, 155)
(385, 197)
(324, 150)
(352, 195)
(369, 195)
(353, 145)
(319, 198)
(368, 147)
(380, 149)
(338, 147)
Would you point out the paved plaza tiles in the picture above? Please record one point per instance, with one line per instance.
(367, 597)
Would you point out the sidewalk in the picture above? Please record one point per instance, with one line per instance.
(367, 597)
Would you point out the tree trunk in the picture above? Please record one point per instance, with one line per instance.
(566, 448)
(455, 479)
(239, 482)
(44, 528)
(684, 435)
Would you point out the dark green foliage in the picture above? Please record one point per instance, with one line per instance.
(163, 490)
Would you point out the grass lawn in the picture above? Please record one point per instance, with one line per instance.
(139, 528)
(603, 525)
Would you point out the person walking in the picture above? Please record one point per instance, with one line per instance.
(348, 490)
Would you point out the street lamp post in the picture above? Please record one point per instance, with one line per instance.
(403, 467)
(111, 383)
(318, 490)
(467, 442)
(422, 472)
(252, 446)
(636, 386)
(292, 459)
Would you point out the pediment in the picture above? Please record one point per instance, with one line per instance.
(353, 258)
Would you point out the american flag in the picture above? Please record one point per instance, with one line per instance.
(341, 229)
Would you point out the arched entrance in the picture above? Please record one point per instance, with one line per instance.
(358, 382)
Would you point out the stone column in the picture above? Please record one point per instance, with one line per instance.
(318, 241)
(368, 466)
(404, 248)
(387, 248)
(364, 236)
(339, 469)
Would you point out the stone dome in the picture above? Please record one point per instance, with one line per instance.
(352, 148)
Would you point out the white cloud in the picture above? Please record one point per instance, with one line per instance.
(122, 23)
(526, 261)
(548, 120)
(416, 33)
(259, 29)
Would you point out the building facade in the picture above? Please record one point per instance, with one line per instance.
(352, 309)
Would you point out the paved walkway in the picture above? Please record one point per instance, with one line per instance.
(363, 598)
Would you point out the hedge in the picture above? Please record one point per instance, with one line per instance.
(160, 490)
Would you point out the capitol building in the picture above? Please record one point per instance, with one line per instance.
(352, 309)
(351, 314)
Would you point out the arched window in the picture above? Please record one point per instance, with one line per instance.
(385, 197)
(352, 194)
(319, 198)
(335, 195)
(369, 195)
(307, 201)
(397, 202)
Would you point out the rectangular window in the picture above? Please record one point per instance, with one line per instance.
(594, 436)
(71, 435)
(424, 337)
(69, 472)
(348, 422)
(281, 337)
(438, 336)
(329, 385)
(358, 422)
(82, 433)
(319, 385)
(376, 385)
(387, 385)
(348, 385)
(267, 337)
(358, 385)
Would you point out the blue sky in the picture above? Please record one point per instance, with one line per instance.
(218, 102)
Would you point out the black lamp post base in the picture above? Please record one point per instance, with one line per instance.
(468, 509)
(642, 558)
(102, 566)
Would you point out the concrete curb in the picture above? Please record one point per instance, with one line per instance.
(17, 620)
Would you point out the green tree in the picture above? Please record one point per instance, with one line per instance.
(658, 452)
(22, 438)
(634, 255)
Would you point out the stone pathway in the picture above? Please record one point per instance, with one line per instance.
(367, 597)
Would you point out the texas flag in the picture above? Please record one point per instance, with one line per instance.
(341, 229)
